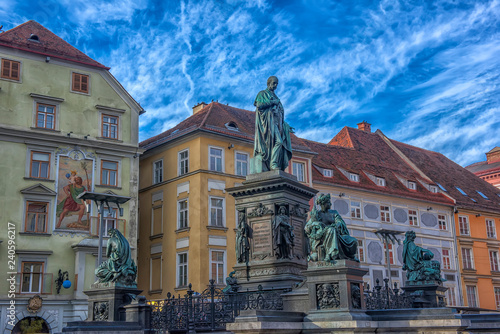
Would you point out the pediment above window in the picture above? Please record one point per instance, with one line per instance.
(38, 189)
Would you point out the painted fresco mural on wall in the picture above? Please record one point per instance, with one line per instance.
(74, 177)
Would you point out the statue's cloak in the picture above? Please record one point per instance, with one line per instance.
(273, 145)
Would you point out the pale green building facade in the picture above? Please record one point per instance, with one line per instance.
(66, 126)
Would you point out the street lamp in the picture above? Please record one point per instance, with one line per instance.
(388, 236)
(101, 200)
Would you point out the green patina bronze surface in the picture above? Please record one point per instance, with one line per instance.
(272, 144)
(418, 262)
(329, 238)
(119, 268)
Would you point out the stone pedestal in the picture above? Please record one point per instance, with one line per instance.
(259, 199)
(105, 300)
(335, 291)
(428, 294)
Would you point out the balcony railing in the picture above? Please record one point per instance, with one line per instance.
(34, 283)
(119, 224)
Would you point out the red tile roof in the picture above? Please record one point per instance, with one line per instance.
(450, 175)
(48, 44)
(365, 154)
(214, 117)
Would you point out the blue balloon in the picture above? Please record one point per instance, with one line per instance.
(67, 175)
(67, 284)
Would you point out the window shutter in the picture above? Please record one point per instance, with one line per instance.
(5, 68)
(15, 70)
(76, 81)
(85, 80)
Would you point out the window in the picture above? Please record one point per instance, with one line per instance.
(182, 269)
(490, 228)
(11, 69)
(217, 268)
(298, 170)
(157, 171)
(461, 191)
(361, 251)
(241, 164)
(391, 252)
(440, 186)
(385, 214)
(157, 220)
(355, 209)
(109, 127)
(40, 165)
(463, 225)
(354, 177)
(471, 296)
(327, 173)
(109, 221)
(32, 276)
(467, 258)
(216, 211)
(433, 189)
(446, 259)
(451, 299)
(494, 260)
(482, 195)
(155, 272)
(412, 185)
(45, 116)
(497, 296)
(36, 217)
(80, 83)
(380, 181)
(109, 173)
(183, 214)
(412, 217)
(215, 159)
(183, 162)
(442, 222)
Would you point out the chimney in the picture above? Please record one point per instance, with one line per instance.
(493, 155)
(198, 107)
(365, 126)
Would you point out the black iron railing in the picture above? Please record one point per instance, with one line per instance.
(385, 298)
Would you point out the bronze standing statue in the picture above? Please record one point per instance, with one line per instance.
(272, 146)
(283, 235)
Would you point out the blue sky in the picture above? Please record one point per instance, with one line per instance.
(423, 72)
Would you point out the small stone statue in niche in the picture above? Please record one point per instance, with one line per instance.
(418, 261)
(242, 235)
(329, 238)
(283, 235)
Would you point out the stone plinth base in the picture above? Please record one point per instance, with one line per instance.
(335, 291)
(109, 327)
(105, 301)
(267, 322)
(273, 206)
(429, 295)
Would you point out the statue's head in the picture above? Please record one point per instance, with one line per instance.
(323, 200)
(113, 232)
(282, 210)
(272, 83)
(410, 235)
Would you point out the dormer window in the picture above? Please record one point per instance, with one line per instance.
(412, 185)
(232, 126)
(354, 177)
(327, 172)
(34, 38)
(461, 191)
(433, 189)
(380, 181)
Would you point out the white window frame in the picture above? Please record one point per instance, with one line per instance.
(496, 292)
(354, 177)
(236, 160)
(361, 250)
(414, 221)
(179, 213)
(494, 264)
(451, 297)
(469, 295)
(442, 222)
(224, 265)
(109, 218)
(327, 172)
(180, 169)
(356, 210)
(491, 229)
(385, 215)
(210, 211)
(463, 225)
(210, 147)
(296, 171)
(391, 252)
(380, 182)
(177, 271)
(465, 259)
(41, 273)
(433, 189)
(155, 181)
(412, 185)
(446, 259)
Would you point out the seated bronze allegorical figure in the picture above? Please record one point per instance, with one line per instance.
(418, 262)
(329, 238)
